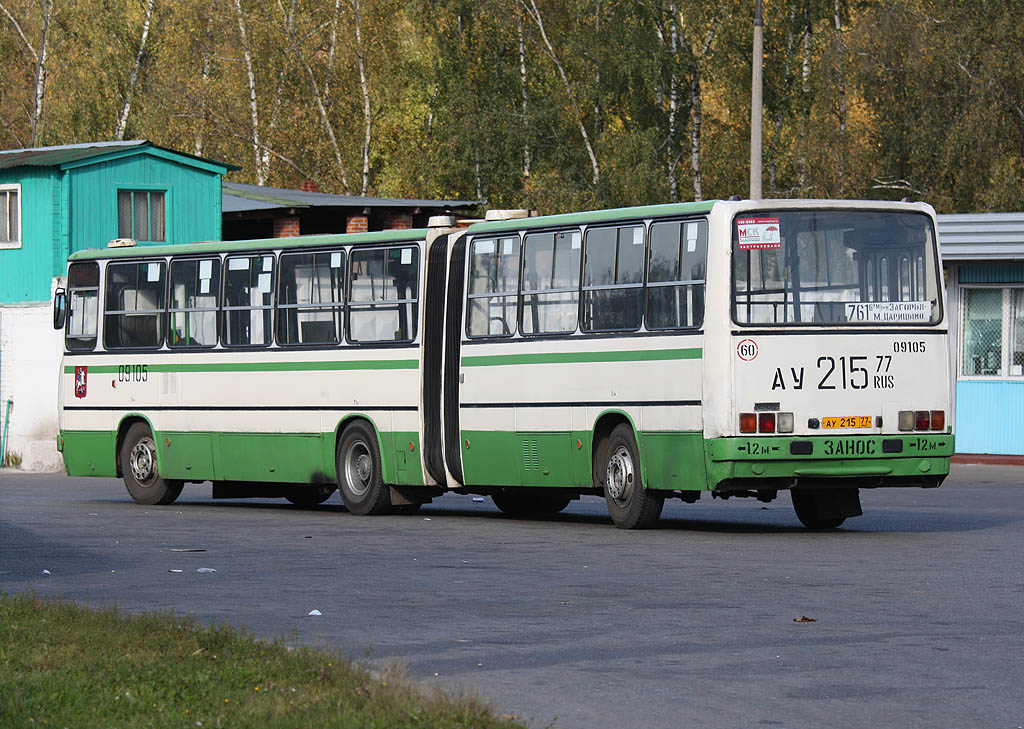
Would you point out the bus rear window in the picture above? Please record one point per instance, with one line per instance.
(831, 267)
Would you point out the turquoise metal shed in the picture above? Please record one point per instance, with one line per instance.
(58, 200)
(984, 258)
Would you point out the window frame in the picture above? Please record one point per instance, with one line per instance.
(342, 305)
(516, 294)
(703, 283)
(225, 309)
(524, 292)
(641, 285)
(160, 313)
(352, 251)
(890, 256)
(1006, 332)
(14, 187)
(71, 290)
(132, 189)
(218, 309)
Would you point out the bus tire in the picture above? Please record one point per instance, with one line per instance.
(310, 495)
(630, 505)
(139, 469)
(359, 476)
(529, 503)
(808, 503)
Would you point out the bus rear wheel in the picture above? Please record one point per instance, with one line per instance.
(630, 505)
(529, 503)
(359, 476)
(140, 472)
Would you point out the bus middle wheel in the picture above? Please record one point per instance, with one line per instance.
(359, 476)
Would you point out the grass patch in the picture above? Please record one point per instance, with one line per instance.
(65, 665)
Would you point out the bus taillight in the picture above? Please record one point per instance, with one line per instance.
(748, 423)
(938, 419)
(766, 422)
(922, 420)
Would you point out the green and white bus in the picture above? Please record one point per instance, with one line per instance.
(734, 347)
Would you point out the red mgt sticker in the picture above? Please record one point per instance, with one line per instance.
(81, 381)
(758, 233)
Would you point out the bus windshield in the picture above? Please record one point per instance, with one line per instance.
(834, 267)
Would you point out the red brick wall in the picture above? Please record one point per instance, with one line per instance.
(397, 221)
(357, 224)
(286, 227)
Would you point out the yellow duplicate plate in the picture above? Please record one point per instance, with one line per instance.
(848, 421)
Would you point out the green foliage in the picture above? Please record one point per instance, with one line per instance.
(863, 98)
(62, 665)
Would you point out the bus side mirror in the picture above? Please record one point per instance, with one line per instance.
(60, 308)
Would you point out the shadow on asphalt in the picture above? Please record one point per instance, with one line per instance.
(894, 520)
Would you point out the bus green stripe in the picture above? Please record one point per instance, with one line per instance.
(655, 355)
(374, 364)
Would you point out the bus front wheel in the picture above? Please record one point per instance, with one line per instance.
(310, 495)
(359, 477)
(823, 509)
(139, 468)
(630, 505)
(529, 503)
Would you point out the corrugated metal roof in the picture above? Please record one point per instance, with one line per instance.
(238, 197)
(982, 236)
(68, 153)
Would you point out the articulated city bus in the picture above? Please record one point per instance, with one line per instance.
(738, 347)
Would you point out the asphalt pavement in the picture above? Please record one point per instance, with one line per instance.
(914, 610)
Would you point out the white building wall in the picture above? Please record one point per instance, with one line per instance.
(30, 353)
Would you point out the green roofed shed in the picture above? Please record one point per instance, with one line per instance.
(58, 200)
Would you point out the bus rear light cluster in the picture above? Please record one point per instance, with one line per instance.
(766, 422)
(922, 420)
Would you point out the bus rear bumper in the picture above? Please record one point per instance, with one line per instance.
(870, 461)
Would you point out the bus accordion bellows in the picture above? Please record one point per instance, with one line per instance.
(737, 347)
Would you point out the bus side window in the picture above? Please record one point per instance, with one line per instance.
(310, 307)
(83, 306)
(248, 300)
(195, 299)
(551, 277)
(493, 290)
(675, 276)
(134, 305)
(613, 279)
(383, 289)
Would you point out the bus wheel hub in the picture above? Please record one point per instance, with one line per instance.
(141, 462)
(619, 476)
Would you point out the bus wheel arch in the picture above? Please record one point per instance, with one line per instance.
(359, 468)
(138, 464)
(606, 423)
(122, 431)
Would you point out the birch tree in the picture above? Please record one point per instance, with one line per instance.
(133, 77)
(38, 53)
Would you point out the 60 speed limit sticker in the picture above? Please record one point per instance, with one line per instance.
(747, 349)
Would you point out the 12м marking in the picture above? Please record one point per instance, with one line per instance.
(841, 373)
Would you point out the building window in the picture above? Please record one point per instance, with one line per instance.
(993, 332)
(10, 216)
(140, 215)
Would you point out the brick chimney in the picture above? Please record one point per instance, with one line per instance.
(357, 224)
(286, 227)
(309, 186)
